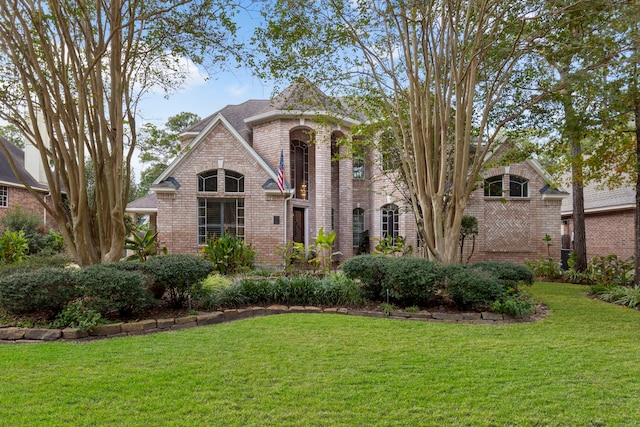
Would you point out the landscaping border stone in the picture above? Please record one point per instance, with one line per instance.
(10, 334)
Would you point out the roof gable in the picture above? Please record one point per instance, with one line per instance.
(218, 120)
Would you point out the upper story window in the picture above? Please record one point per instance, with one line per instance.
(389, 152)
(299, 161)
(208, 181)
(518, 186)
(493, 186)
(4, 196)
(233, 182)
(390, 220)
(358, 167)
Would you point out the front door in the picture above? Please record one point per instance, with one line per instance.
(298, 225)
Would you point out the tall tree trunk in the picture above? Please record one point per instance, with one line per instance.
(637, 216)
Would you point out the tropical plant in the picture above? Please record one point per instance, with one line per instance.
(323, 251)
(229, 254)
(144, 244)
(13, 246)
(390, 245)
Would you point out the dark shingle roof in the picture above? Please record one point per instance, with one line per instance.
(6, 173)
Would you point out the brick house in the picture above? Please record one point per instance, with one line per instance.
(12, 190)
(225, 179)
(609, 221)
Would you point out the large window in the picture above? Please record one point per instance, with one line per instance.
(518, 186)
(208, 181)
(233, 182)
(389, 215)
(493, 186)
(299, 152)
(217, 216)
(358, 226)
(4, 196)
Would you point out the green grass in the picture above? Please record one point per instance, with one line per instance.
(578, 367)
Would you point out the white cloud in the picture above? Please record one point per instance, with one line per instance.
(237, 90)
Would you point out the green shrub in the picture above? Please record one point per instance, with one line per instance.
(514, 305)
(17, 219)
(412, 281)
(229, 254)
(76, 315)
(332, 290)
(149, 280)
(32, 263)
(177, 273)
(472, 287)
(110, 290)
(510, 274)
(44, 290)
(611, 270)
(370, 270)
(13, 247)
(545, 268)
(337, 290)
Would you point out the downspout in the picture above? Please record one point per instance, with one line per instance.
(286, 199)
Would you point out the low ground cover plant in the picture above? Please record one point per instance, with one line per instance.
(407, 281)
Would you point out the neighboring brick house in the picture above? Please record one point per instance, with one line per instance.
(609, 221)
(12, 190)
(226, 179)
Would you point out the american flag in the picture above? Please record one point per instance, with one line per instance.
(281, 173)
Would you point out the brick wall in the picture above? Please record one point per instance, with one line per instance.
(608, 233)
(21, 197)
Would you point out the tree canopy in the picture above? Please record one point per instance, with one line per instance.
(71, 76)
(445, 80)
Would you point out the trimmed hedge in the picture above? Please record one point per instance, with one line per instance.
(472, 287)
(333, 290)
(110, 290)
(510, 274)
(410, 280)
(173, 272)
(47, 289)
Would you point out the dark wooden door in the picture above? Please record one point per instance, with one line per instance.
(298, 225)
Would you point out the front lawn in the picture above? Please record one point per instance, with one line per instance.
(578, 367)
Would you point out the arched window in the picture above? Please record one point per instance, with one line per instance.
(208, 181)
(518, 186)
(299, 160)
(233, 182)
(493, 186)
(358, 226)
(389, 217)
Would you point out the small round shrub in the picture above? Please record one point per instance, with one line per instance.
(371, 271)
(338, 290)
(472, 287)
(412, 281)
(510, 274)
(46, 289)
(177, 273)
(149, 282)
(110, 290)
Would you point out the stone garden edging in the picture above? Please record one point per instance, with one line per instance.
(38, 335)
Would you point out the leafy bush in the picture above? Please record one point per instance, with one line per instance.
(371, 271)
(332, 290)
(13, 246)
(514, 305)
(46, 289)
(17, 219)
(229, 254)
(149, 282)
(545, 267)
(177, 273)
(472, 287)
(611, 270)
(409, 280)
(76, 315)
(110, 290)
(510, 274)
(144, 244)
(412, 281)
